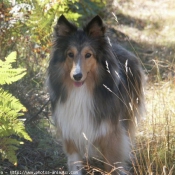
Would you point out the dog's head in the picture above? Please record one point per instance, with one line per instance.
(79, 46)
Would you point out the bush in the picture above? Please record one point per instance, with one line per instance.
(12, 129)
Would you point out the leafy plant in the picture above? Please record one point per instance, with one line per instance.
(26, 26)
(12, 129)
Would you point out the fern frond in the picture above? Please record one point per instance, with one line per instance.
(11, 106)
(10, 110)
(11, 58)
(9, 148)
(9, 103)
(8, 74)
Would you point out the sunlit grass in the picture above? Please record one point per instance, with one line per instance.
(156, 18)
(155, 136)
(151, 24)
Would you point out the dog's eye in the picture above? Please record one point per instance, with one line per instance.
(70, 54)
(88, 55)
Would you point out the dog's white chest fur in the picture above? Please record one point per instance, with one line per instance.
(76, 116)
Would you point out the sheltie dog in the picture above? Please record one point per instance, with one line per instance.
(96, 92)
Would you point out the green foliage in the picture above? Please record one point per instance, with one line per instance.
(11, 128)
(87, 9)
(9, 74)
(45, 14)
(27, 26)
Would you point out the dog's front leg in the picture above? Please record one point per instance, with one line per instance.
(75, 163)
(74, 159)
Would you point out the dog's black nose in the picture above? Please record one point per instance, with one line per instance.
(78, 76)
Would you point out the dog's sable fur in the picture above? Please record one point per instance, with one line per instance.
(96, 91)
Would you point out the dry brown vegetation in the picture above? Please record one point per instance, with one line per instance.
(150, 29)
(147, 28)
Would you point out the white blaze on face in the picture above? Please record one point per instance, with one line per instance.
(78, 67)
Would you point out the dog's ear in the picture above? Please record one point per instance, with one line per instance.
(64, 27)
(95, 27)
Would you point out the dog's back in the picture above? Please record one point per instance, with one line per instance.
(96, 90)
(130, 88)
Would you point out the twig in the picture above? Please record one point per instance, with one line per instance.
(41, 109)
(171, 171)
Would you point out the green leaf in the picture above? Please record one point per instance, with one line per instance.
(8, 74)
(10, 110)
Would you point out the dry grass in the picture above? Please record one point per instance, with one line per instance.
(150, 24)
(149, 28)
(155, 136)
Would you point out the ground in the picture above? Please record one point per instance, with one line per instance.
(146, 28)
